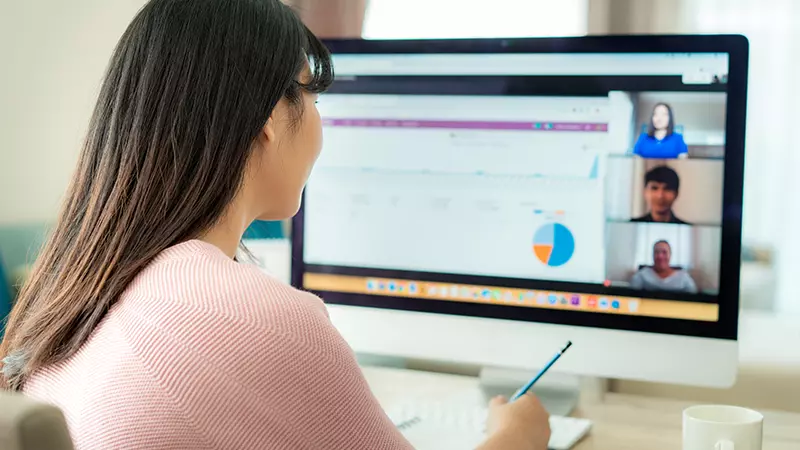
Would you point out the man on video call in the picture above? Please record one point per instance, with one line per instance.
(661, 186)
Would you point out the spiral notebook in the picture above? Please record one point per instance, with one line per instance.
(429, 435)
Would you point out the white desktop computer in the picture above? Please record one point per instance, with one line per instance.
(484, 201)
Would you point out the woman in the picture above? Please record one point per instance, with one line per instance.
(136, 320)
(662, 277)
(660, 141)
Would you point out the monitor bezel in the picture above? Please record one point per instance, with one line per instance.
(736, 46)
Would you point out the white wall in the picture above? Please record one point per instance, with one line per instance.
(620, 251)
(403, 19)
(53, 55)
(622, 131)
(706, 256)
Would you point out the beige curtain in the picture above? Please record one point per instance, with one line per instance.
(332, 18)
(635, 16)
(772, 156)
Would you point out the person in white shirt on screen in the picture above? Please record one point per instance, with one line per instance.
(661, 276)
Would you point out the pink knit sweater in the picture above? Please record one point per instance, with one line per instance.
(204, 353)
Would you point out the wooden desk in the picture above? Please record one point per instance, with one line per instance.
(621, 422)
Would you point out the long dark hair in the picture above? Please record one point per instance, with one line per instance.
(189, 87)
(651, 129)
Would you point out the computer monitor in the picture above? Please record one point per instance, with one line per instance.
(484, 201)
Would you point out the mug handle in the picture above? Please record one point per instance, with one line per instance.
(724, 445)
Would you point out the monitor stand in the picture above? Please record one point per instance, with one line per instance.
(558, 393)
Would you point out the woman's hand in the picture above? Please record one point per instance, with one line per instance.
(523, 424)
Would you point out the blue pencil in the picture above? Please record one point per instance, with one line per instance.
(524, 389)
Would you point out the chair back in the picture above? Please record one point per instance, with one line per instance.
(642, 266)
(5, 299)
(26, 424)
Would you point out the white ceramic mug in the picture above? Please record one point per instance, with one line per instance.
(717, 427)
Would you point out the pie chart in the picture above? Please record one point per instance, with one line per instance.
(553, 244)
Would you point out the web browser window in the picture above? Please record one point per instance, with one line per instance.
(598, 175)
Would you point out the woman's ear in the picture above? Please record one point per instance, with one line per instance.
(267, 135)
(268, 131)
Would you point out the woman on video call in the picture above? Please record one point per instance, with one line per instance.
(661, 276)
(137, 321)
(660, 141)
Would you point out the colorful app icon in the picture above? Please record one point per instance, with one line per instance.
(575, 300)
(392, 286)
(372, 285)
(603, 303)
(591, 302)
(496, 294)
(541, 299)
(552, 299)
(564, 300)
(486, 294)
(508, 296)
(465, 293)
(615, 304)
(633, 305)
(453, 291)
(432, 291)
(401, 287)
(412, 288)
(530, 295)
(443, 291)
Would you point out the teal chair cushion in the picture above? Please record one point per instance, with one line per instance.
(264, 230)
(5, 298)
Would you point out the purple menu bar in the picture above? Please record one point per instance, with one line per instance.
(466, 125)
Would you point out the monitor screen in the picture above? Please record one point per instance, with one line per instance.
(584, 188)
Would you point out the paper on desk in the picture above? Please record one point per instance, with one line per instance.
(429, 435)
(434, 432)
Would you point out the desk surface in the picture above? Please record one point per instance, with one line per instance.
(621, 422)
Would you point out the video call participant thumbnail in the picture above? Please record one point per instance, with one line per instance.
(661, 186)
(661, 276)
(660, 141)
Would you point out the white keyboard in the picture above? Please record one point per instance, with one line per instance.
(450, 425)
